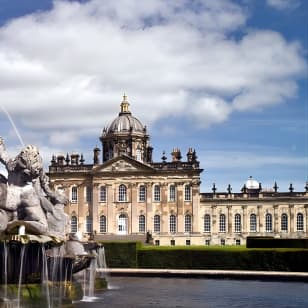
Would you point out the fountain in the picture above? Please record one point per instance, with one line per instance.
(37, 262)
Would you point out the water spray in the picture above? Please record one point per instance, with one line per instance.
(13, 124)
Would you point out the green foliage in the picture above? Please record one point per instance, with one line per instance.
(224, 259)
(121, 254)
(269, 242)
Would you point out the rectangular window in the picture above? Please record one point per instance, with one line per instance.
(74, 194)
(187, 242)
(171, 193)
(172, 242)
(157, 243)
(207, 242)
(222, 242)
(103, 194)
(142, 193)
(222, 223)
(157, 193)
(237, 242)
(156, 223)
(88, 194)
(187, 193)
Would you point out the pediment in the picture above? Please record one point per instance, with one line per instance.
(123, 164)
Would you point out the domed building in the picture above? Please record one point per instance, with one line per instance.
(126, 136)
(123, 194)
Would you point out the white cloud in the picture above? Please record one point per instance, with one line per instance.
(283, 4)
(68, 67)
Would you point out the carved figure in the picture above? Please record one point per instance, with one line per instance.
(25, 197)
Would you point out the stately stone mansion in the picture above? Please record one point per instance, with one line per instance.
(124, 194)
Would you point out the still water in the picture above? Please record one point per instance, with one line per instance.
(132, 292)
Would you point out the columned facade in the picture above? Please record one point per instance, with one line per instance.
(123, 193)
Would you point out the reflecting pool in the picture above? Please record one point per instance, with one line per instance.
(177, 292)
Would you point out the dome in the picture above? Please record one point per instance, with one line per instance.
(252, 184)
(125, 122)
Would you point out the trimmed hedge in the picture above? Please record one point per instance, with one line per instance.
(269, 242)
(121, 254)
(273, 260)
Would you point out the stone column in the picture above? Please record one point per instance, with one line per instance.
(306, 218)
(229, 229)
(291, 214)
(259, 220)
(214, 229)
(134, 219)
(111, 220)
(149, 209)
(244, 229)
(276, 219)
(95, 218)
(195, 205)
(82, 209)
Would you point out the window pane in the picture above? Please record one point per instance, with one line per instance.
(142, 223)
(172, 193)
(103, 194)
(187, 223)
(156, 223)
(88, 224)
(207, 223)
(268, 223)
(142, 193)
(187, 193)
(74, 224)
(74, 194)
(300, 222)
(222, 223)
(284, 222)
(253, 223)
(172, 223)
(157, 193)
(88, 194)
(237, 223)
(102, 224)
(122, 193)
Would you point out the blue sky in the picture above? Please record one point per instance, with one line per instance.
(228, 78)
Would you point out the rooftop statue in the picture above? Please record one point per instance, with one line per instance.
(26, 198)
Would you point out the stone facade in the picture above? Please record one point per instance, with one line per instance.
(128, 195)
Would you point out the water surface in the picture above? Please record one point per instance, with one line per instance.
(132, 292)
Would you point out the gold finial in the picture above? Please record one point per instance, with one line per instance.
(124, 104)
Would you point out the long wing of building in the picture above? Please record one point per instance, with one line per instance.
(124, 194)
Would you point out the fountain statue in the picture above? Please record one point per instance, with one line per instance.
(33, 228)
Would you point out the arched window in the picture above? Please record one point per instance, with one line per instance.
(103, 194)
(207, 223)
(253, 223)
(268, 223)
(142, 193)
(172, 224)
(102, 224)
(157, 193)
(74, 224)
(156, 223)
(74, 194)
(222, 223)
(284, 222)
(187, 193)
(122, 224)
(88, 224)
(122, 193)
(300, 222)
(187, 223)
(237, 223)
(142, 223)
(171, 193)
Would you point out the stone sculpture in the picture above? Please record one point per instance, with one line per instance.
(25, 196)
